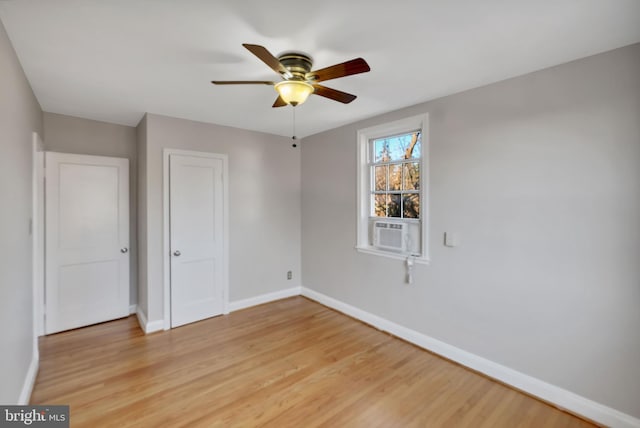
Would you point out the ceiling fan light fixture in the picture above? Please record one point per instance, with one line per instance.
(294, 92)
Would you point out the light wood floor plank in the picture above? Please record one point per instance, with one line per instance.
(291, 363)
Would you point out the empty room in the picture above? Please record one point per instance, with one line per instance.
(343, 214)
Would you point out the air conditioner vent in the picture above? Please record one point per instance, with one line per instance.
(390, 236)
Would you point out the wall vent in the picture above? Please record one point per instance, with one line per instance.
(390, 236)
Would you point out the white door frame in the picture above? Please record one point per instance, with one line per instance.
(166, 250)
(37, 234)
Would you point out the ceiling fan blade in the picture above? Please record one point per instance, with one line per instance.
(333, 94)
(355, 66)
(242, 82)
(279, 102)
(265, 56)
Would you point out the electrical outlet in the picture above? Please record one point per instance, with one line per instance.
(289, 275)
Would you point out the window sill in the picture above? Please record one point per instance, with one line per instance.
(390, 255)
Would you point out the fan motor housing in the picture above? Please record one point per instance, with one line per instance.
(298, 63)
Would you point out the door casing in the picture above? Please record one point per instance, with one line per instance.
(37, 231)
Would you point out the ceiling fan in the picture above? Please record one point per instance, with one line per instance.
(298, 80)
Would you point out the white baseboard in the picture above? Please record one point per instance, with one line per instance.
(142, 319)
(154, 326)
(560, 397)
(30, 379)
(263, 298)
(132, 309)
(145, 325)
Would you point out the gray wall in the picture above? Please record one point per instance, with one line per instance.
(264, 205)
(20, 115)
(67, 134)
(540, 177)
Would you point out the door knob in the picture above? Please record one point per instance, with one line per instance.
(177, 253)
(124, 250)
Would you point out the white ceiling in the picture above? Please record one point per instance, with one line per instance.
(114, 60)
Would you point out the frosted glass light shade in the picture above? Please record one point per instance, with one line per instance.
(294, 92)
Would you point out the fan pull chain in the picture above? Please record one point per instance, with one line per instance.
(294, 138)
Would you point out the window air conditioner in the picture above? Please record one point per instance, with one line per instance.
(390, 236)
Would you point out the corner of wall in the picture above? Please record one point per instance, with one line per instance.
(146, 325)
(30, 378)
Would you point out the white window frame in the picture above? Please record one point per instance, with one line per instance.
(364, 136)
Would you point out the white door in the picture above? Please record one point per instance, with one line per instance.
(87, 240)
(196, 237)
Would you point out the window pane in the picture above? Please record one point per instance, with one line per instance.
(395, 177)
(379, 205)
(411, 206)
(413, 146)
(396, 148)
(399, 147)
(411, 179)
(393, 208)
(380, 177)
(390, 149)
(381, 151)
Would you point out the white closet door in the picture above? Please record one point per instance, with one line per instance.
(196, 237)
(87, 240)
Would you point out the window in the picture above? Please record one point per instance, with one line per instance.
(392, 190)
(394, 167)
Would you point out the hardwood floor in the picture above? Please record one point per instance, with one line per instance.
(291, 363)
